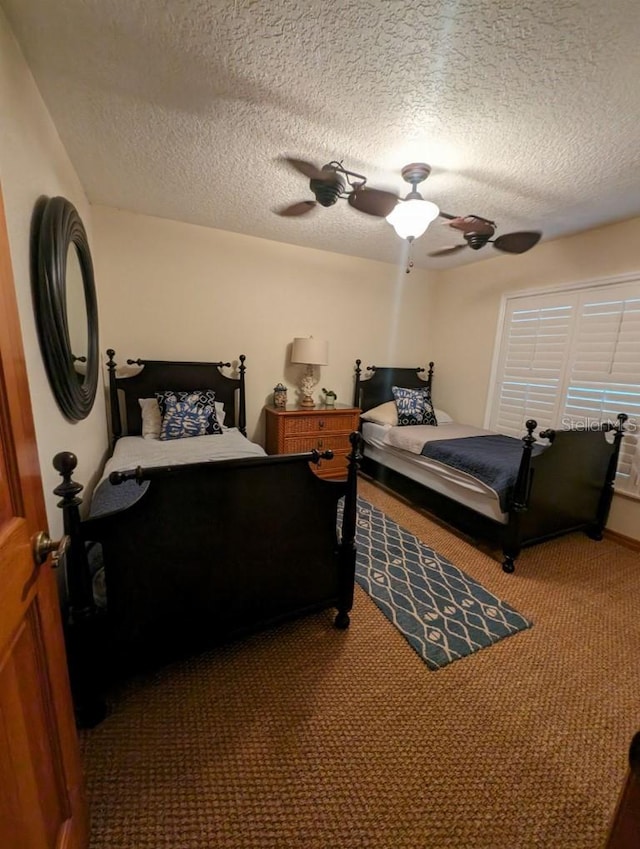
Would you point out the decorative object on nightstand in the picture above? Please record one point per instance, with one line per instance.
(312, 352)
(329, 397)
(280, 396)
(297, 430)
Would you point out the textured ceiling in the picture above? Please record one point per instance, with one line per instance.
(528, 112)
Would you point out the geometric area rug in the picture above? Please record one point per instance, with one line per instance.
(443, 613)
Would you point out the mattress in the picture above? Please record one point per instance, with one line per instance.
(133, 451)
(383, 444)
(130, 452)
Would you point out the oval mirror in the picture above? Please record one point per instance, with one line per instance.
(66, 308)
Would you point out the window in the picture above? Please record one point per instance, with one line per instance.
(571, 359)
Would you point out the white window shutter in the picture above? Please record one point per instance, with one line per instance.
(604, 370)
(535, 342)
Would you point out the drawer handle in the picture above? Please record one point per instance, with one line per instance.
(321, 423)
(320, 443)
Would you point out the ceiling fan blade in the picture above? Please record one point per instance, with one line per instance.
(307, 168)
(445, 251)
(300, 208)
(473, 224)
(517, 243)
(373, 201)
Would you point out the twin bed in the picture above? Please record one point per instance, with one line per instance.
(191, 541)
(510, 492)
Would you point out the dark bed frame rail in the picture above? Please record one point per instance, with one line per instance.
(160, 375)
(567, 487)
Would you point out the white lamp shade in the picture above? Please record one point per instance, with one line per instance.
(410, 218)
(311, 351)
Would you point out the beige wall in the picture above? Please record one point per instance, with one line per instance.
(467, 301)
(173, 290)
(33, 162)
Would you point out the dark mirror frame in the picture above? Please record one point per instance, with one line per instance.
(57, 226)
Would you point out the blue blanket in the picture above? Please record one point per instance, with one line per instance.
(108, 497)
(492, 459)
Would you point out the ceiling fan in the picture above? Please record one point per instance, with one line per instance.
(410, 216)
(478, 232)
(333, 182)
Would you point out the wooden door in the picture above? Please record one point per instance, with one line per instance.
(625, 828)
(42, 803)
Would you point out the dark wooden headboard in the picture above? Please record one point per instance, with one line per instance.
(160, 375)
(376, 389)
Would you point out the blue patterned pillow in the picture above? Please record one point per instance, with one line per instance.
(414, 406)
(187, 414)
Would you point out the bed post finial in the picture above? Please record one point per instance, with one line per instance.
(597, 532)
(520, 501)
(81, 603)
(242, 411)
(114, 406)
(356, 393)
(430, 373)
(521, 489)
(83, 638)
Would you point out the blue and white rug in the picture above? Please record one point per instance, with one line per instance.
(443, 613)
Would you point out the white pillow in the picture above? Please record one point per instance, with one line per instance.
(387, 414)
(442, 417)
(152, 418)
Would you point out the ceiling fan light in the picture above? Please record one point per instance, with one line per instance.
(410, 218)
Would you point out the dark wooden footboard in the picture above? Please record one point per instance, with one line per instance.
(211, 551)
(566, 487)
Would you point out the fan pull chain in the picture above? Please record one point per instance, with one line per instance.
(409, 260)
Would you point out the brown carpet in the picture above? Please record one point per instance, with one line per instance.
(310, 738)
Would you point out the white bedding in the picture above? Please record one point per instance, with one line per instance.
(413, 438)
(399, 448)
(133, 451)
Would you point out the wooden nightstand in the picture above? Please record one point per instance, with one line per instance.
(296, 429)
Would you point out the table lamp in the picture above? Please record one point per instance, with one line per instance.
(312, 352)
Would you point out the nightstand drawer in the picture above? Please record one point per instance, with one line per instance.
(320, 442)
(318, 423)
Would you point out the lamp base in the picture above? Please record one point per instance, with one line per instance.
(306, 388)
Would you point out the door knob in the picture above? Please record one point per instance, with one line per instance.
(42, 546)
